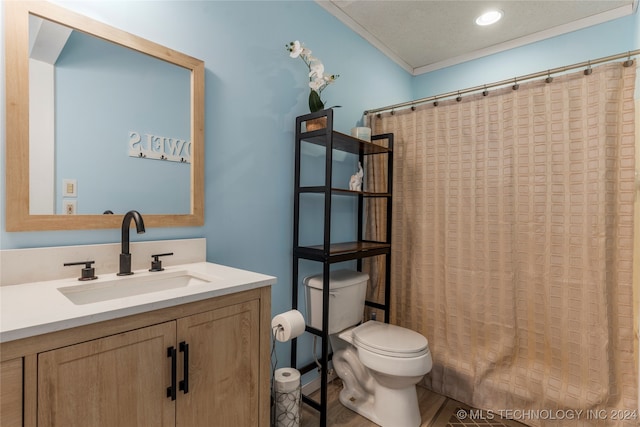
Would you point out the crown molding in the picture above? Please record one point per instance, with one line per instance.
(600, 18)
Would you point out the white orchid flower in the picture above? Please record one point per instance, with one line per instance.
(295, 49)
(318, 81)
(316, 70)
(306, 54)
(316, 84)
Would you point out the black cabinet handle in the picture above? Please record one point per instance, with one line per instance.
(184, 384)
(171, 391)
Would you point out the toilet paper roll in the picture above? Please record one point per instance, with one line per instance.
(287, 397)
(286, 380)
(288, 325)
(363, 133)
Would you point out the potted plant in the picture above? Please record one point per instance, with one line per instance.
(318, 80)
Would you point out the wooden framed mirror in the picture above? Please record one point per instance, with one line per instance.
(68, 206)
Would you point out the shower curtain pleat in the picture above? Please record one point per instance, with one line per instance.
(512, 245)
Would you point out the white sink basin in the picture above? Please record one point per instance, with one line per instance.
(92, 292)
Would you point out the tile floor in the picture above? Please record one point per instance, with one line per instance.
(435, 411)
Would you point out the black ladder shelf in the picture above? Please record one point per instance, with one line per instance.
(330, 252)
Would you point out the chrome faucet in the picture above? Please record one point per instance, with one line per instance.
(125, 256)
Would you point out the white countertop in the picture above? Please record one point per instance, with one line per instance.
(31, 309)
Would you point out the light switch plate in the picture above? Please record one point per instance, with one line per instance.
(69, 188)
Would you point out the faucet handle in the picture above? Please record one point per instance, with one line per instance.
(156, 264)
(88, 272)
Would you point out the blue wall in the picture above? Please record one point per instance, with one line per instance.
(254, 91)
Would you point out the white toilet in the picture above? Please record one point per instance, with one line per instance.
(379, 364)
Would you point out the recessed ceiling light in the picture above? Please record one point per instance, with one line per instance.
(489, 18)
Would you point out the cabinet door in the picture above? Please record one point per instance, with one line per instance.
(224, 367)
(120, 380)
(11, 393)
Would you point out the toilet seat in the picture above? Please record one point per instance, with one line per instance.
(389, 340)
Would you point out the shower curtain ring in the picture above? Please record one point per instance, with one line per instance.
(629, 61)
(393, 112)
(549, 79)
(588, 71)
(459, 98)
(435, 103)
(378, 115)
(485, 92)
(413, 108)
(515, 84)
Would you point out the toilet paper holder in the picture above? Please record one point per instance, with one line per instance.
(286, 382)
(288, 325)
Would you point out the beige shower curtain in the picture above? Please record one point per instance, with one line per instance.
(512, 246)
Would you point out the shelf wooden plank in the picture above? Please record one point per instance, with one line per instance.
(345, 251)
(357, 193)
(341, 248)
(342, 191)
(344, 142)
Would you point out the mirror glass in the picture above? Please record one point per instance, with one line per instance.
(99, 121)
(109, 126)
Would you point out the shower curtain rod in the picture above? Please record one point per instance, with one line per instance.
(513, 81)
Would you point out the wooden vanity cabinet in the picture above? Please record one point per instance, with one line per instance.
(119, 380)
(218, 349)
(11, 393)
(224, 368)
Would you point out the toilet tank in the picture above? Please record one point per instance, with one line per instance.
(347, 290)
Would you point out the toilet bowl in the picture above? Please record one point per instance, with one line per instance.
(379, 364)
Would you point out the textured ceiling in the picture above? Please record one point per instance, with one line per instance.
(424, 35)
